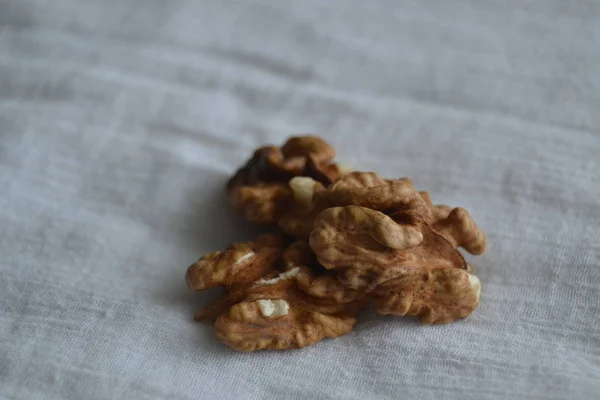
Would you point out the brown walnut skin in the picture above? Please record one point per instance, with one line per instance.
(262, 203)
(298, 221)
(409, 268)
(314, 279)
(259, 190)
(364, 189)
(460, 228)
(396, 196)
(239, 264)
(434, 294)
(319, 306)
(457, 225)
(244, 328)
(308, 320)
(369, 247)
(391, 197)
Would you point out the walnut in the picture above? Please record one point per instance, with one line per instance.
(277, 313)
(364, 189)
(303, 190)
(310, 200)
(263, 202)
(315, 147)
(460, 228)
(392, 197)
(250, 325)
(239, 264)
(410, 268)
(396, 196)
(295, 303)
(260, 190)
(315, 280)
(457, 225)
(436, 294)
(369, 247)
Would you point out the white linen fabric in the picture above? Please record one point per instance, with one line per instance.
(120, 122)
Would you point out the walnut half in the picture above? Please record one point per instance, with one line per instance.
(404, 255)
(239, 264)
(294, 302)
(260, 191)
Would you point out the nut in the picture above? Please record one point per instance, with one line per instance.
(324, 173)
(275, 313)
(262, 202)
(434, 294)
(239, 264)
(460, 228)
(366, 189)
(392, 257)
(259, 190)
(303, 189)
(315, 280)
(310, 201)
(369, 247)
(292, 308)
(267, 165)
(286, 312)
(244, 327)
(302, 146)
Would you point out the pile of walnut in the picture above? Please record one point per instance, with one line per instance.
(349, 239)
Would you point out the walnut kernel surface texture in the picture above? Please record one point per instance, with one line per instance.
(346, 239)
